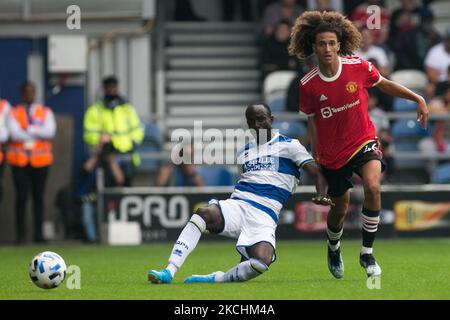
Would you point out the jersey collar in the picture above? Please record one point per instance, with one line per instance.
(333, 78)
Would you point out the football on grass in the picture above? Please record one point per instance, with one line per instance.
(47, 270)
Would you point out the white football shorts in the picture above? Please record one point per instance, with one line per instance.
(246, 223)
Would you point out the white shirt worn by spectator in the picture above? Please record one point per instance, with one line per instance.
(439, 59)
(4, 120)
(375, 53)
(45, 131)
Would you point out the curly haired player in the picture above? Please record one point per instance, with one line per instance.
(334, 97)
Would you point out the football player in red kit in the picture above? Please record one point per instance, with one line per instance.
(334, 97)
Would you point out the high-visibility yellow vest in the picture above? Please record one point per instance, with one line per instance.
(121, 123)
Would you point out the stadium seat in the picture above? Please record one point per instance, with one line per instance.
(440, 9)
(408, 129)
(404, 105)
(152, 133)
(277, 81)
(407, 146)
(415, 80)
(292, 129)
(216, 175)
(277, 103)
(146, 152)
(151, 146)
(442, 174)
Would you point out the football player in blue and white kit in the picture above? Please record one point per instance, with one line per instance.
(271, 172)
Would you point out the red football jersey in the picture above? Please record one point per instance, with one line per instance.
(340, 108)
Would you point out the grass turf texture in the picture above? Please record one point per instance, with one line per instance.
(412, 269)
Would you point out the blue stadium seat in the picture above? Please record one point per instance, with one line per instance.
(442, 174)
(216, 175)
(408, 128)
(150, 146)
(404, 105)
(403, 145)
(152, 133)
(292, 129)
(277, 103)
(150, 164)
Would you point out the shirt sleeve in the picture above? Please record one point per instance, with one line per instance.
(17, 132)
(432, 59)
(372, 75)
(306, 104)
(299, 154)
(45, 131)
(4, 133)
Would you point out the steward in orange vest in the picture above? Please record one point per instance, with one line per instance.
(29, 153)
(31, 130)
(4, 133)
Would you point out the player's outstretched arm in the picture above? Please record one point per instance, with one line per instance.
(321, 184)
(395, 89)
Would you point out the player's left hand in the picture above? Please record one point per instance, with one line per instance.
(323, 201)
(422, 113)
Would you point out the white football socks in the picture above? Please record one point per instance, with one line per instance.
(243, 271)
(366, 250)
(334, 236)
(186, 243)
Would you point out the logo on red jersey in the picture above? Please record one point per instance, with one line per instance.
(351, 86)
(326, 112)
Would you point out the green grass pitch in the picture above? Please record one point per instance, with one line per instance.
(412, 269)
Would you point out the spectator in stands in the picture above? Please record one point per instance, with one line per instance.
(283, 10)
(369, 51)
(29, 153)
(412, 47)
(229, 9)
(274, 51)
(325, 5)
(439, 142)
(437, 60)
(103, 157)
(443, 85)
(383, 129)
(185, 12)
(4, 136)
(360, 17)
(385, 101)
(183, 174)
(402, 19)
(116, 120)
(293, 93)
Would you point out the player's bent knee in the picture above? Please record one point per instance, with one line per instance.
(207, 214)
(372, 188)
(198, 221)
(259, 265)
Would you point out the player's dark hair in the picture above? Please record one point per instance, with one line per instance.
(269, 111)
(311, 23)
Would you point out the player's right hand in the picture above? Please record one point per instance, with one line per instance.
(323, 201)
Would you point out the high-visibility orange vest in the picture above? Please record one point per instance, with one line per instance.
(37, 153)
(2, 110)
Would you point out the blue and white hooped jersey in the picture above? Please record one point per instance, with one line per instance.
(271, 173)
